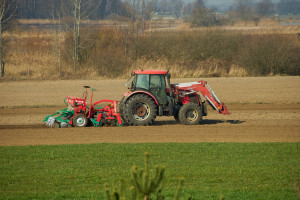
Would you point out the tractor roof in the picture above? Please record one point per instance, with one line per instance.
(149, 71)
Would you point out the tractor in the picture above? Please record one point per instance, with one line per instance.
(151, 94)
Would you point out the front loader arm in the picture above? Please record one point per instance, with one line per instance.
(206, 91)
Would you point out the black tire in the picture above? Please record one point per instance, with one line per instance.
(190, 114)
(121, 105)
(176, 117)
(121, 108)
(176, 112)
(139, 110)
(80, 120)
(204, 109)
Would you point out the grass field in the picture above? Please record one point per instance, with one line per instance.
(237, 171)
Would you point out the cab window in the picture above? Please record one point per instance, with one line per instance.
(158, 88)
(142, 81)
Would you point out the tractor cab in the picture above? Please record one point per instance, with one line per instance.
(155, 82)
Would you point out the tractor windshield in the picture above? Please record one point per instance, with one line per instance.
(142, 81)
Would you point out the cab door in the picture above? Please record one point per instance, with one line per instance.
(158, 88)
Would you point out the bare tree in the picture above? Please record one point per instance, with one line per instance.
(79, 10)
(177, 8)
(57, 28)
(203, 17)
(129, 6)
(151, 5)
(244, 9)
(265, 8)
(135, 24)
(7, 11)
(138, 12)
(193, 5)
(76, 30)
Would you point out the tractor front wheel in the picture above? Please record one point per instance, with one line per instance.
(80, 120)
(190, 114)
(139, 110)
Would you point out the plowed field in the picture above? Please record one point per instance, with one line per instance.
(262, 110)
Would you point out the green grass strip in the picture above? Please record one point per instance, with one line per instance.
(234, 170)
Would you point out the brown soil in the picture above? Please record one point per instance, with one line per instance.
(263, 110)
(267, 90)
(247, 123)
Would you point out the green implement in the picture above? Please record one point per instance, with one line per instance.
(59, 119)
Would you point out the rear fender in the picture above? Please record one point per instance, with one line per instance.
(127, 95)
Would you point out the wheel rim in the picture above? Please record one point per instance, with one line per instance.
(80, 121)
(191, 115)
(140, 111)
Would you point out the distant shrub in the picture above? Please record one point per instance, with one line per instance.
(270, 55)
(202, 17)
(107, 54)
(196, 45)
(113, 52)
(111, 64)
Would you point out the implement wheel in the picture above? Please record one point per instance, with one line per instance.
(190, 114)
(80, 120)
(139, 110)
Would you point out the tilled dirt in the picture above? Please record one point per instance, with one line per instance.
(264, 109)
(250, 90)
(247, 123)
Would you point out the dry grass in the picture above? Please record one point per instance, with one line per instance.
(265, 26)
(208, 68)
(32, 54)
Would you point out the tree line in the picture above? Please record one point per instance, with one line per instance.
(242, 10)
(138, 13)
(42, 9)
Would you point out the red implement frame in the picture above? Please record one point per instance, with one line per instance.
(108, 112)
(79, 104)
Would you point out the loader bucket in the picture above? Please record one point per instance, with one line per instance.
(223, 109)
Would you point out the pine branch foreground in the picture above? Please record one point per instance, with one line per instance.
(145, 182)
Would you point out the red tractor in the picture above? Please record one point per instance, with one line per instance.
(151, 94)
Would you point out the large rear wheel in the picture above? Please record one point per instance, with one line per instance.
(139, 110)
(190, 114)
